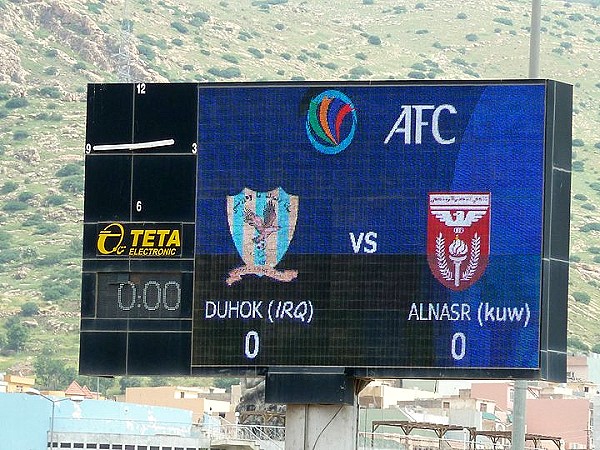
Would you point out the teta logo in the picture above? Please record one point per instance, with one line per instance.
(113, 233)
(331, 122)
(139, 240)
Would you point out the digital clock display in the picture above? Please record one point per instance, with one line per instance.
(144, 295)
(395, 229)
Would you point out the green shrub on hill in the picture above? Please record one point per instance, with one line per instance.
(582, 297)
(8, 187)
(29, 309)
(72, 184)
(577, 344)
(230, 72)
(504, 21)
(14, 206)
(20, 135)
(16, 102)
(180, 27)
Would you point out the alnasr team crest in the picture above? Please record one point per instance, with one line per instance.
(458, 237)
(262, 225)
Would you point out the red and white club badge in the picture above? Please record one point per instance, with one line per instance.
(458, 237)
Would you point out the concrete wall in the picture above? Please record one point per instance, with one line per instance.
(594, 368)
(566, 418)
(161, 442)
(25, 420)
(498, 392)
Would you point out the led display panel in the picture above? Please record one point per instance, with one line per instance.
(391, 229)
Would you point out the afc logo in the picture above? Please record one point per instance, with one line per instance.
(415, 119)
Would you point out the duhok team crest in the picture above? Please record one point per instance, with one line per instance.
(262, 225)
(458, 237)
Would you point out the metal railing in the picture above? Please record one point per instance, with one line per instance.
(400, 441)
(268, 437)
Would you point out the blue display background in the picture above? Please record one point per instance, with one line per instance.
(256, 137)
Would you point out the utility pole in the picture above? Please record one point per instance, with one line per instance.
(534, 40)
(520, 393)
(124, 56)
(518, 427)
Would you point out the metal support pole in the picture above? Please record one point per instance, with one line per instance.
(518, 429)
(534, 42)
(52, 425)
(75, 399)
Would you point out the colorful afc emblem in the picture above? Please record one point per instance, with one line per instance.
(458, 237)
(331, 122)
(262, 225)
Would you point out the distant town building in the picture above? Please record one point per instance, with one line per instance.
(200, 401)
(15, 383)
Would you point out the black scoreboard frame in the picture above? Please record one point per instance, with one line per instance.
(138, 208)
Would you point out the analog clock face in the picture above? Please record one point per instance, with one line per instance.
(139, 222)
(394, 229)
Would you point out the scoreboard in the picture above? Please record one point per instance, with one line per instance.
(393, 229)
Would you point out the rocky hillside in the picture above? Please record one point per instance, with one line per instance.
(50, 50)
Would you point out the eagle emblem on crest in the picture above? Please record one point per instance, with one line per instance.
(262, 225)
(458, 237)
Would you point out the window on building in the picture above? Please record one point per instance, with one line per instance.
(483, 407)
(446, 405)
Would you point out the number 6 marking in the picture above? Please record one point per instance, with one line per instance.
(138, 206)
(459, 346)
(251, 344)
